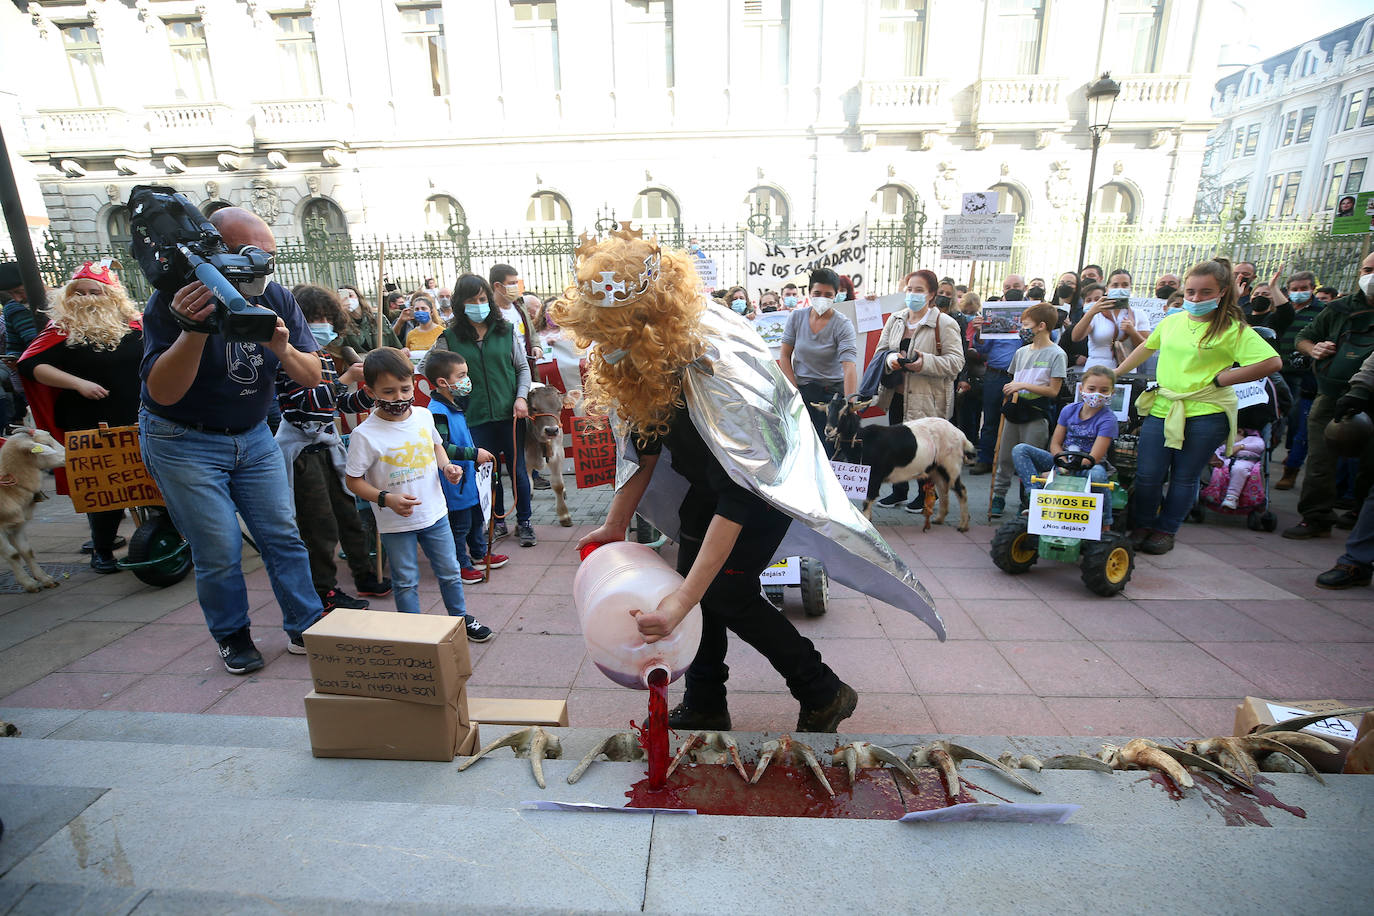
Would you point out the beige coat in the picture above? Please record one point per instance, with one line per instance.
(929, 392)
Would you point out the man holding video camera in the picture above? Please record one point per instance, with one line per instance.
(206, 442)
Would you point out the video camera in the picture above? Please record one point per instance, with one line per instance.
(175, 244)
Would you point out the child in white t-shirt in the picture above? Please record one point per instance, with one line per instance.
(395, 458)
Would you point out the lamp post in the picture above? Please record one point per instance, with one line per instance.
(1101, 98)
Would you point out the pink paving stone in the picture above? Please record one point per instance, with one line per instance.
(493, 609)
(190, 614)
(64, 690)
(941, 554)
(558, 532)
(1359, 606)
(1211, 620)
(553, 580)
(509, 580)
(865, 664)
(264, 697)
(1304, 622)
(1356, 657)
(544, 614)
(611, 707)
(1069, 669)
(900, 624)
(1178, 669)
(993, 715)
(992, 584)
(763, 712)
(201, 659)
(1205, 716)
(1135, 716)
(1248, 556)
(846, 617)
(285, 665)
(958, 667)
(537, 661)
(144, 651)
(1289, 670)
(1114, 619)
(1224, 584)
(545, 553)
(1148, 582)
(1300, 583)
(1018, 619)
(172, 693)
(890, 714)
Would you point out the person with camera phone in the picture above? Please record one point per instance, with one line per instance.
(215, 332)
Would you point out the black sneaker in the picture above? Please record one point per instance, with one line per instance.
(826, 719)
(1304, 531)
(239, 654)
(891, 500)
(1344, 575)
(371, 586)
(295, 645)
(916, 506)
(1346, 520)
(686, 718)
(337, 598)
(525, 532)
(540, 482)
(478, 632)
(499, 531)
(103, 562)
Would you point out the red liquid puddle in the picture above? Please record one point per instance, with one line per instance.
(1236, 806)
(653, 735)
(787, 791)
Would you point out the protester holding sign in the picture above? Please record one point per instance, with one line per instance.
(1194, 408)
(820, 349)
(83, 371)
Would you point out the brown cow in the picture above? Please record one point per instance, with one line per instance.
(544, 444)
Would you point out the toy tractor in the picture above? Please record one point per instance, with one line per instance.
(1106, 564)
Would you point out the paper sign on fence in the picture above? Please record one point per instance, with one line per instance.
(1077, 515)
(853, 477)
(977, 238)
(783, 572)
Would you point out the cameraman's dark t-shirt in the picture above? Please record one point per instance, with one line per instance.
(236, 381)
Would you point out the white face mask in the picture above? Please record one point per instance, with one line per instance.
(1367, 285)
(821, 304)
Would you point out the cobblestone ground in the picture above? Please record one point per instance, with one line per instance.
(1229, 612)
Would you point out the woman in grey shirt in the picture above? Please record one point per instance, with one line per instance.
(820, 350)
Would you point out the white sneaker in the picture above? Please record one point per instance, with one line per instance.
(1229, 502)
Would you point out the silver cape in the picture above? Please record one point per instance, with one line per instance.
(756, 425)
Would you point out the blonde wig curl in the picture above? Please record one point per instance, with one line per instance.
(659, 331)
(99, 322)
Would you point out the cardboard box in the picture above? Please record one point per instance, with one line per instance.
(378, 729)
(518, 712)
(1254, 712)
(420, 658)
(1360, 758)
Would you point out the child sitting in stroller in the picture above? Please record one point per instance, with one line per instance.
(1244, 468)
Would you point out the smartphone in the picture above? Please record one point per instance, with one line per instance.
(1119, 304)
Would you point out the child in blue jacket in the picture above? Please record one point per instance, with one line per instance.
(449, 385)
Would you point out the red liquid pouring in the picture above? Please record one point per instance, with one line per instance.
(653, 735)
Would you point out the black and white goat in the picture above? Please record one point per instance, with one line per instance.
(926, 449)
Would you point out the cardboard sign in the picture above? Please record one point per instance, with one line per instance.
(105, 470)
(783, 572)
(593, 453)
(1077, 515)
(770, 326)
(708, 270)
(1148, 312)
(1250, 393)
(977, 238)
(868, 315)
(1002, 322)
(1354, 214)
(484, 489)
(768, 265)
(853, 477)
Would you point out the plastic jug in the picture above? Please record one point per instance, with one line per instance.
(613, 580)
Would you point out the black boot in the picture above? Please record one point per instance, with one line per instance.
(686, 718)
(103, 562)
(826, 719)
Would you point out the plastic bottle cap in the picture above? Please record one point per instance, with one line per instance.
(586, 549)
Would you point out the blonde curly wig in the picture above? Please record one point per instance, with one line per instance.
(99, 322)
(659, 332)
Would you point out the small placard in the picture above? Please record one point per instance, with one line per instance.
(593, 453)
(853, 477)
(783, 572)
(484, 489)
(979, 203)
(1331, 728)
(1077, 515)
(868, 315)
(1249, 393)
(105, 470)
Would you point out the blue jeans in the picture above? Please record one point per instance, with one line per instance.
(1183, 466)
(206, 478)
(992, 413)
(1031, 462)
(1297, 433)
(469, 535)
(1359, 547)
(496, 438)
(402, 547)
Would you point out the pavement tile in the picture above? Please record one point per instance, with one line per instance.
(1179, 669)
(1213, 620)
(1069, 669)
(848, 617)
(763, 712)
(544, 614)
(890, 714)
(986, 584)
(865, 664)
(958, 667)
(1151, 582)
(39, 617)
(1304, 623)
(938, 553)
(71, 690)
(1233, 584)
(1206, 716)
(993, 715)
(144, 651)
(1286, 670)
(536, 661)
(552, 580)
(1358, 606)
(900, 624)
(1356, 657)
(28, 661)
(926, 576)
(172, 693)
(1299, 583)
(1018, 619)
(609, 707)
(1118, 716)
(258, 696)
(284, 665)
(1250, 556)
(1114, 619)
(494, 609)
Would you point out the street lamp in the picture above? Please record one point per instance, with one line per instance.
(1101, 99)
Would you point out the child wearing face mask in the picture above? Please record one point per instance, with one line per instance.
(1037, 373)
(1087, 425)
(314, 454)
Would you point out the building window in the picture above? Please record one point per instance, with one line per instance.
(537, 31)
(1368, 118)
(899, 49)
(443, 214)
(1115, 203)
(1305, 122)
(1252, 135)
(1355, 175)
(1274, 197)
(1238, 143)
(1333, 185)
(1352, 110)
(767, 201)
(1290, 193)
(85, 61)
(298, 62)
(548, 207)
(766, 41)
(1254, 84)
(322, 220)
(1290, 129)
(1011, 200)
(190, 59)
(424, 48)
(1017, 34)
(1137, 27)
(656, 204)
(1310, 62)
(118, 228)
(892, 201)
(650, 30)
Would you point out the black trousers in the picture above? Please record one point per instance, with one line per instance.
(734, 601)
(104, 528)
(327, 517)
(820, 393)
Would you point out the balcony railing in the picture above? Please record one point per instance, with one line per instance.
(1020, 101)
(300, 120)
(901, 104)
(1152, 97)
(76, 130)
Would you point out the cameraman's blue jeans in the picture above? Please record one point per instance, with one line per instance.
(1031, 462)
(403, 549)
(206, 478)
(1183, 466)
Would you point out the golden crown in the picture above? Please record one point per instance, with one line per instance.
(607, 288)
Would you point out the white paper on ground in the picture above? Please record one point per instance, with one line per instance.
(1017, 813)
(1331, 728)
(544, 805)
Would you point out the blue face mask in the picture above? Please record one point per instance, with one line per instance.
(915, 300)
(476, 311)
(1198, 309)
(1299, 298)
(841, 296)
(323, 333)
(422, 317)
(739, 305)
(1118, 293)
(789, 301)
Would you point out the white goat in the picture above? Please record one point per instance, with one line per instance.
(23, 459)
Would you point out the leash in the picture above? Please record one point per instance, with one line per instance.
(501, 516)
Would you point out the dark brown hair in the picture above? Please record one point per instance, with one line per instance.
(1042, 312)
(386, 361)
(441, 363)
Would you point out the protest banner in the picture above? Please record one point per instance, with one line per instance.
(977, 238)
(1354, 214)
(105, 470)
(769, 265)
(853, 477)
(1120, 404)
(1149, 311)
(1076, 515)
(593, 453)
(707, 270)
(868, 315)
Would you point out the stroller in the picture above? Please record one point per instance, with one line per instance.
(1254, 497)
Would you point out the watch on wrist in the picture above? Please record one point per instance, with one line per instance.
(381, 498)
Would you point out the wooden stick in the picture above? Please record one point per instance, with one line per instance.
(381, 307)
(996, 449)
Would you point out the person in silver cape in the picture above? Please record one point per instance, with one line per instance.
(745, 481)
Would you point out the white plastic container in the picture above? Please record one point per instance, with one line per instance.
(614, 580)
